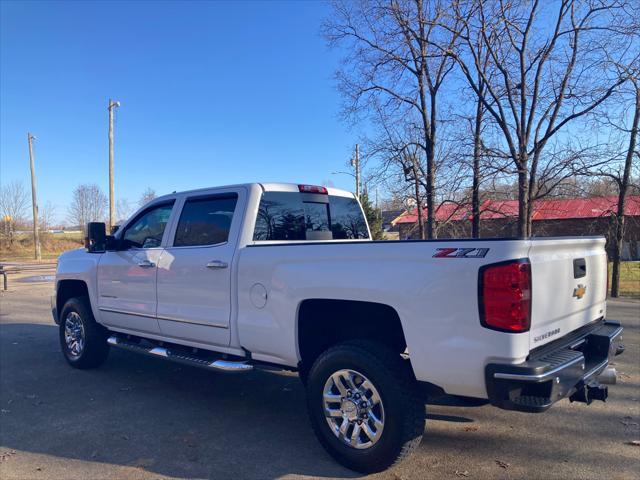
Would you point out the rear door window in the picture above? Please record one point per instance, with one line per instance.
(205, 221)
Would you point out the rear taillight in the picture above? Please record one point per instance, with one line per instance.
(505, 296)
(606, 269)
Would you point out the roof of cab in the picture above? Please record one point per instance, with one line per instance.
(267, 187)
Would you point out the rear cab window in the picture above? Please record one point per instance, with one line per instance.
(299, 216)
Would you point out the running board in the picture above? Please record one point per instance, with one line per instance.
(181, 357)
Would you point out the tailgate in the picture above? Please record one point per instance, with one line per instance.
(569, 286)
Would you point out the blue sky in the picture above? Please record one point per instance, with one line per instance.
(212, 93)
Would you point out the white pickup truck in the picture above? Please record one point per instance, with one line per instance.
(285, 276)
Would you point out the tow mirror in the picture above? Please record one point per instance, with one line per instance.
(96, 239)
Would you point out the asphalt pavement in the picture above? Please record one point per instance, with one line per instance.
(142, 418)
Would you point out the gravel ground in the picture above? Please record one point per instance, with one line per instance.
(142, 418)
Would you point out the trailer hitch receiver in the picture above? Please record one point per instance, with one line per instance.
(590, 392)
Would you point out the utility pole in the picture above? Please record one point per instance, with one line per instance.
(34, 200)
(112, 201)
(355, 163)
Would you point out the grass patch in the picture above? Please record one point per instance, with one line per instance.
(629, 279)
(51, 246)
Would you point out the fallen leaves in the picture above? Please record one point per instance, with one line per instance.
(502, 464)
(464, 473)
(470, 429)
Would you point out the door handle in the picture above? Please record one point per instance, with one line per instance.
(146, 264)
(217, 264)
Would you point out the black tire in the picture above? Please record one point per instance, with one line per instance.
(404, 410)
(303, 373)
(95, 349)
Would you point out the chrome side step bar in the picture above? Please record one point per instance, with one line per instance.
(180, 357)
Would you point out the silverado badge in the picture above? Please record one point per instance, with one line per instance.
(579, 291)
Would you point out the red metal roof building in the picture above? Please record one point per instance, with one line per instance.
(556, 209)
(551, 217)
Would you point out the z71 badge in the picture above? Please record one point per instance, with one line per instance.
(460, 252)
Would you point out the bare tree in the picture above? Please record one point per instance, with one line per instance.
(401, 166)
(88, 204)
(148, 195)
(47, 216)
(550, 73)
(14, 201)
(393, 66)
(624, 125)
(123, 210)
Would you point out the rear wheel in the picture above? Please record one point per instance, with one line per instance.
(364, 405)
(83, 341)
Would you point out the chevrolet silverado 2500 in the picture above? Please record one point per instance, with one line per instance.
(285, 276)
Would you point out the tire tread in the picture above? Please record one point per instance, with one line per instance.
(96, 348)
(382, 357)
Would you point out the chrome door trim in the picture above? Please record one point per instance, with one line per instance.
(164, 317)
(124, 312)
(180, 320)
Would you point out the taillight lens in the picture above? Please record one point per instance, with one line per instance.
(505, 296)
(312, 189)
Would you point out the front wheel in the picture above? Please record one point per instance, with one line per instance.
(83, 341)
(364, 405)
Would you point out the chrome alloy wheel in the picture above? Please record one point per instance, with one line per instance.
(353, 409)
(74, 334)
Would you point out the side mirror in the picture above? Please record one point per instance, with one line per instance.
(96, 239)
(114, 229)
(112, 244)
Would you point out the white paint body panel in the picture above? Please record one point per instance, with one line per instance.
(194, 301)
(436, 298)
(555, 308)
(127, 291)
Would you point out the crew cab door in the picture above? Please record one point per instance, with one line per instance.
(127, 277)
(195, 274)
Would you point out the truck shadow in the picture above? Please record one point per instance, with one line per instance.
(149, 414)
(137, 414)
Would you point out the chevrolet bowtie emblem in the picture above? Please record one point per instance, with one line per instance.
(579, 291)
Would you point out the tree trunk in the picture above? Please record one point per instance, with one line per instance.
(624, 184)
(475, 192)
(418, 203)
(523, 203)
(430, 190)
